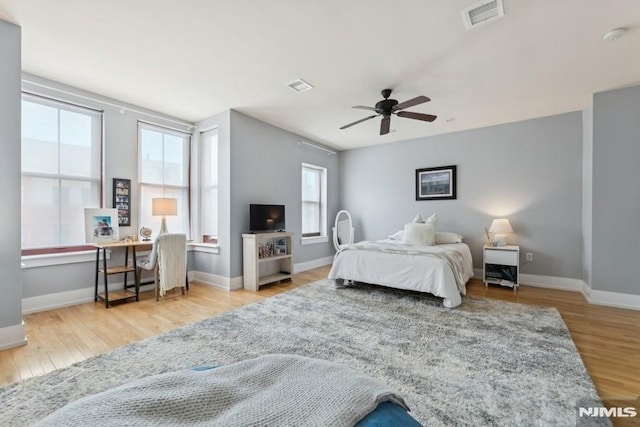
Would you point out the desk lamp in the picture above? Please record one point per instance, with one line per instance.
(164, 206)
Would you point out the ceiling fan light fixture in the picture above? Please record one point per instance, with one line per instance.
(388, 107)
(300, 85)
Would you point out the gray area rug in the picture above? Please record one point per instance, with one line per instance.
(484, 363)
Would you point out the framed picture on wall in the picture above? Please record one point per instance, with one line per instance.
(122, 200)
(101, 225)
(436, 183)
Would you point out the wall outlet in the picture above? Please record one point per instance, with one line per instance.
(529, 256)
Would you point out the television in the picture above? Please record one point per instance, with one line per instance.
(264, 218)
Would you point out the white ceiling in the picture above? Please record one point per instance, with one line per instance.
(193, 59)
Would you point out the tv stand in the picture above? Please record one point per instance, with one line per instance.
(267, 258)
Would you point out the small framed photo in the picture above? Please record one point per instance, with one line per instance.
(122, 200)
(101, 225)
(280, 246)
(436, 183)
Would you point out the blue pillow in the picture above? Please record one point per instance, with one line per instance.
(388, 414)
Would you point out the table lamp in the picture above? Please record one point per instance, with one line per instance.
(499, 227)
(164, 206)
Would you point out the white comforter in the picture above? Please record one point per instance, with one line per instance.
(389, 263)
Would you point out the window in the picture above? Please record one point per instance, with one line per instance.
(163, 167)
(314, 201)
(61, 171)
(208, 157)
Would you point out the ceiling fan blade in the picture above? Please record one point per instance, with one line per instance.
(362, 107)
(411, 102)
(417, 116)
(359, 121)
(384, 125)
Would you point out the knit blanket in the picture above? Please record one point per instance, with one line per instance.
(172, 261)
(271, 390)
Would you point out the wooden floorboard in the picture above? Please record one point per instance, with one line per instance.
(607, 338)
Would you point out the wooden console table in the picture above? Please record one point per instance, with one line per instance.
(125, 293)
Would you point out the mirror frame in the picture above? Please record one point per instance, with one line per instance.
(336, 244)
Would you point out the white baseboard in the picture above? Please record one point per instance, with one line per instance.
(64, 299)
(593, 296)
(226, 283)
(79, 296)
(235, 283)
(12, 336)
(552, 282)
(310, 265)
(57, 300)
(614, 299)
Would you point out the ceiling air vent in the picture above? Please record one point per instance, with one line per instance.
(300, 85)
(483, 12)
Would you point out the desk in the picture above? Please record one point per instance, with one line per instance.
(125, 293)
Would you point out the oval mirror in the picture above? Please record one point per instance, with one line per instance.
(342, 230)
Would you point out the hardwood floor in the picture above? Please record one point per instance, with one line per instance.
(608, 338)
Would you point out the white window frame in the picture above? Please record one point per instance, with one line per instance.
(183, 205)
(205, 166)
(322, 237)
(196, 203)
(97, 178)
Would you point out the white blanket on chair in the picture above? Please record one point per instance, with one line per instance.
(172, 262)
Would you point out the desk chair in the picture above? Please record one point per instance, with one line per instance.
(168, 260)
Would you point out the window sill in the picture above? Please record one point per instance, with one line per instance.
(31, 261)
(313, 240)
(209, 248)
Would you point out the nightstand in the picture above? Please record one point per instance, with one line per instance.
(501, 265)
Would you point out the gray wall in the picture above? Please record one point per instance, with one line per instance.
(529, 172)
(121, 154)
(538, 173)
(616, 190)
(266, 166)
(11, 301)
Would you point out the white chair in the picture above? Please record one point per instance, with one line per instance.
(168, 260)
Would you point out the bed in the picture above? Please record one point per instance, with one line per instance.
(442, 269)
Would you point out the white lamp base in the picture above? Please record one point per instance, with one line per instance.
(163, 227)
(500, 239)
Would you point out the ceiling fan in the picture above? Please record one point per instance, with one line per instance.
(387, 107)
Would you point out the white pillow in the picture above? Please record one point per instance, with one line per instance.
(419, 234)
(398, 235)
(443, 237)
(433, 219)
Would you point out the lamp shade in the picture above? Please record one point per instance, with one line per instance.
(164, 206)
(501, 226)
